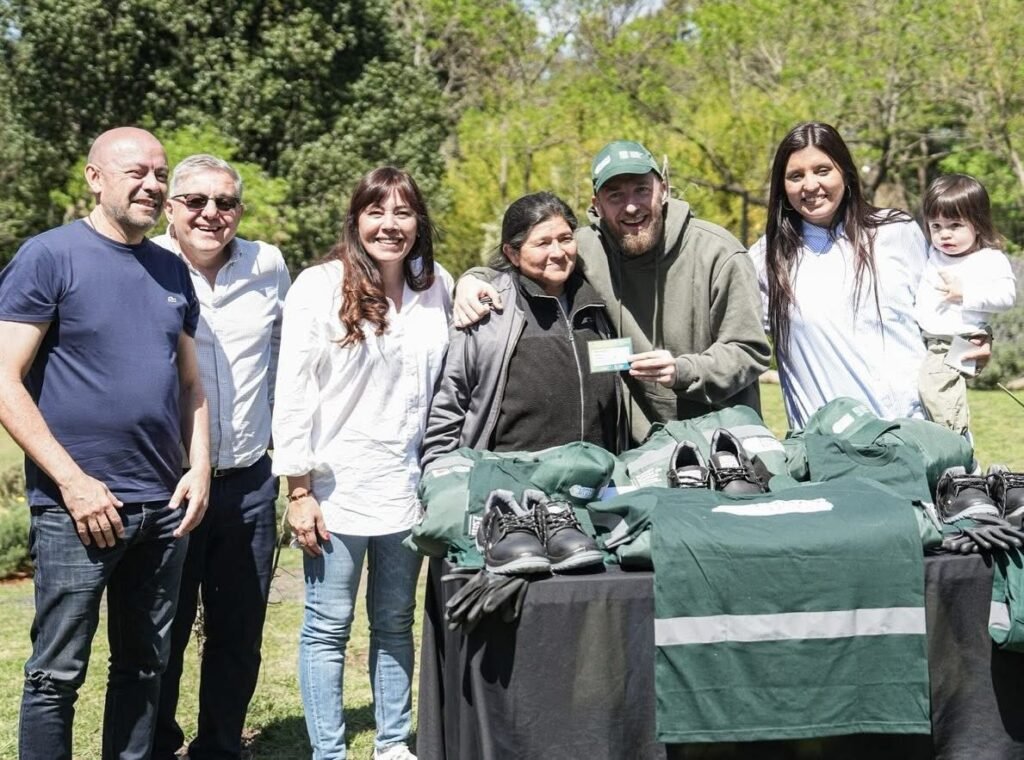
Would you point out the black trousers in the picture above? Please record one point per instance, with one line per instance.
(230, 555)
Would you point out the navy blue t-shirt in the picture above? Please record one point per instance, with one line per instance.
(106, 375)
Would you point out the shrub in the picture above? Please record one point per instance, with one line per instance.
(14, 522)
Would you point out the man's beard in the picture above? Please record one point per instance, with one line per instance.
(639, 243)
(140, 222)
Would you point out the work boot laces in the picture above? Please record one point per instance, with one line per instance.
(560, 515)
(690, 477)
(1012, 480)
(963, 482)
(512, 523)
(727, 475)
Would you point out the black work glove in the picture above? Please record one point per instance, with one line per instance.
(456, 608)
(484, 594)
(513, 605)
(983, 533)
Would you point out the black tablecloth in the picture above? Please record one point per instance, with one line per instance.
(575, 678)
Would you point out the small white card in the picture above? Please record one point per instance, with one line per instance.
(610, 355)
(954, 357)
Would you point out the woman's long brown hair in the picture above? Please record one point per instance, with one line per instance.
(784, 230)
(362, 287)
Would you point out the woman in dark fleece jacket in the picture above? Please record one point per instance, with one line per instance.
(520, 380)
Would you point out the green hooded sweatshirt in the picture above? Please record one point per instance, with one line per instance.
(695, 294)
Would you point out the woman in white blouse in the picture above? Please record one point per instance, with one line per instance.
(363, 342)
(838, 278)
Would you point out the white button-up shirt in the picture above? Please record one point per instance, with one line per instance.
(353, 417)
(841, 348)
(237, 345)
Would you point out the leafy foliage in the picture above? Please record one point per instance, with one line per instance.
(14, 523)
(486, 101)
(269, 82)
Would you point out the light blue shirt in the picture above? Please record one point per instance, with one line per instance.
(841, 348)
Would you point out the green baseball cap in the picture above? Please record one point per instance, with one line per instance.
(621, 157)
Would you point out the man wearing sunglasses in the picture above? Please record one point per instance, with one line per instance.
(241, 285)
(99, 385)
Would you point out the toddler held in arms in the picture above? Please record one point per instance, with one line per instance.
(966, 280)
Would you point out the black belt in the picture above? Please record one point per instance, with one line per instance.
(220, 472)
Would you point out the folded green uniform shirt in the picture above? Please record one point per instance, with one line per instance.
(790, 615)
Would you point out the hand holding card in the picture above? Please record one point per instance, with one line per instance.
(610, 355)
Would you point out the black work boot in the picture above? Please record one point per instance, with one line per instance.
(688, 468)
(568, 547)
(732, 472)
(1007, 490)
(959, 495)
(509, 539)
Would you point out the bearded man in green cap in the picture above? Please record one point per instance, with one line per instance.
(683, 290)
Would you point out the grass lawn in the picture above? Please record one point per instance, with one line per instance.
(276, 728)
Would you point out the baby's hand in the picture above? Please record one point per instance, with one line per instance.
(950, 286)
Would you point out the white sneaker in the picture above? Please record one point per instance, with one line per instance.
(394, 752)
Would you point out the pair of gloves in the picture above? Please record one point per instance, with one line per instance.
(485, 593)
(981, 533)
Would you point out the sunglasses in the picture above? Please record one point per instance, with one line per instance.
(198, 201)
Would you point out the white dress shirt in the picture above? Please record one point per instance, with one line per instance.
(236, 346)
(988, 285)
(841, 348)
(353, 417)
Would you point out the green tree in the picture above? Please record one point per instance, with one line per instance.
(275, 79)
(399, 121)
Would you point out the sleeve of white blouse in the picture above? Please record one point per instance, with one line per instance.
(284, 282)
(449, 287)
(991, 288)
(757, 254)
(297, 396)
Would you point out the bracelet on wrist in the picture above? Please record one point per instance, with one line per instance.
(299, 493)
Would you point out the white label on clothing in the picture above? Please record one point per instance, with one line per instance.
(761, 444)
(842, 423)
(581, 492)
(649, 477)
(773, 508)
(472, 526)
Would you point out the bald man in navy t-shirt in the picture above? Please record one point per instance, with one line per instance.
(99, 385)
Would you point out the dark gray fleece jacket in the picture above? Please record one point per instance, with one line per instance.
(469, 396)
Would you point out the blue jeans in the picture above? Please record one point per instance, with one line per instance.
(140, 574)
(332, 581)
(230, 555)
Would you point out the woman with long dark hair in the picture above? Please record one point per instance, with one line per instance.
(838, 278)
(521, 380)
(362, 345)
